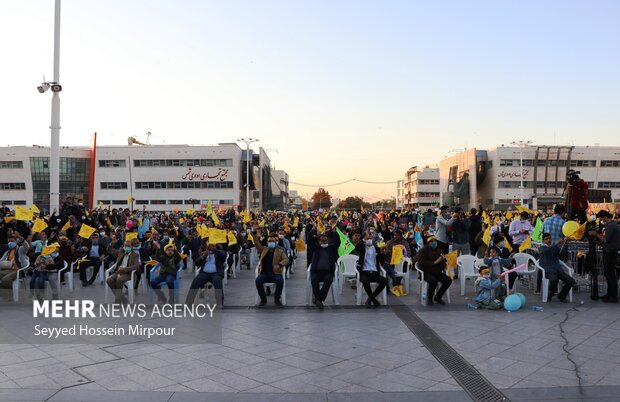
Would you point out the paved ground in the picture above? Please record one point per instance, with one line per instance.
(339, 354)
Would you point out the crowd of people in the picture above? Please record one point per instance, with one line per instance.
(138, 241)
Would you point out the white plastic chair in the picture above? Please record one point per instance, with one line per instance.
(177, 281)
(545, 281)
(129, 284)
(100, 274)
(423, 287)
(526, 259)
(467, 267)
(283, 297)
(347, 268)
(59, 274)
(334, 287)
(359, 288)
(17, 279)
(403, 270)
(209, 285)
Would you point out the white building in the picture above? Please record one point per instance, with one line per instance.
(279, 190)
(158, 177)
(295, 200)
(421, 188)
(493, 177)
(400, 194)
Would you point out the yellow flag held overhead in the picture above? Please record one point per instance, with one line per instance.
(190, 211)
(508, 246)
(486, 237)
(39, 225)
(246, 217)
(496, 220)
(296, 221)
(397, 255)
(67, 225)
(86, 231)
(203, 231)
(8, 219)
(47, 250)
(250, 238)
(319, 226)
(216, 220)
(209, 207)
(508, 216)
(34, 209)
(23, 214)
(261, 224)
(217, 236)
(485, 217)
(131, 235)
(521, 208)
(526, 245)
(578, 234)
(232, 240)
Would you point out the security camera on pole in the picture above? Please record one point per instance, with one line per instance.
(55, 126)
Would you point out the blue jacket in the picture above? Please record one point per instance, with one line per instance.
(485, 285)
(550, 258)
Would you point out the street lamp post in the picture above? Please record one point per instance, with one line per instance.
(55, 124)
(521, 144)
(247, 141)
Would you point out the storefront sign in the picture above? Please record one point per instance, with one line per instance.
(220, 175)
(512, 175)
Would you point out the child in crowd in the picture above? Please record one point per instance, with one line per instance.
(486, 285)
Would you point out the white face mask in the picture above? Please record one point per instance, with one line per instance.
(324, 245)
(368, 243)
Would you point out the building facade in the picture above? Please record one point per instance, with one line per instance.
(421, 188)
(400, 194)
(154, 177)
(493, 177)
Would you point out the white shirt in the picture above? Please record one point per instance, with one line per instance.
(370, 260)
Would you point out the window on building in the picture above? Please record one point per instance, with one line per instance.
(609, 184)
(158, 202)
(150, 185)
(515, 184)
(113, 185)
(227, 202)
(582, 163)
(142, 202)
(181, 162)
(610, 163)
(175, 202)
(19, 202)
(12, 186)
(11, 165)
(119, 202)
(103, 202)
(112, 163)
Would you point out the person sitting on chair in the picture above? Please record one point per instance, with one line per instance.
(433, 263)
(322, 270)
(370, 258)
(211, 263)
(550, 261)
(169, 260)
(127, 261)
(272, 260)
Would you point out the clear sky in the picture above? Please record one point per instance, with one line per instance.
(340, 89)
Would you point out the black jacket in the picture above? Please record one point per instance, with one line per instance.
(360, 250)
(220, 261)
(331, 257)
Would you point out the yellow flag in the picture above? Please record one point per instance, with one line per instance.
(362, 210)
(299, 245)
(47, 250)
(190, 211)
(203, 231)
(34, 209)
(216, 220)
(100, 203)
(250, 238)
(319, 226)
(67, 225)
(86, 231)
(496, 220)
(232, 240)
(23, 214)
(246, 216)
(39, 225)
(508, 216)
(485, 217)
(217, 236)
(131, 235)
(521, 208)
(296, 221)
(451, 258)
(526, 245)
(579, 232)
(397, 255)
(110, 224)
(508, 246)
(8, 219)
(261, 224)
(486, 237)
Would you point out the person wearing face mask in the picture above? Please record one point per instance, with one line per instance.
(433, 263)
(486, 286)
(322, 270)
(13, 259)
(127, 260)
(45, 267)
(611, 245)
(370, 259)
(272, 260)
(520, 229)
(211, 263)
(286, 244)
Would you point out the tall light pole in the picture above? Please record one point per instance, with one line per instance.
(247, 141)
(521, 144)
(55, 126)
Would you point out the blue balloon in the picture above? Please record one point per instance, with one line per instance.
(512, 303)
(522, 297)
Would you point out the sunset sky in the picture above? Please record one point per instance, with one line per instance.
(335, 89)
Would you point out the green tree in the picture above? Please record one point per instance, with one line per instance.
(321, 199)
(353, 203)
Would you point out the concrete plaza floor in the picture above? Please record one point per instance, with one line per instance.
(343, 353)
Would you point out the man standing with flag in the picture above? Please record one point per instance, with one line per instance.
(520, 229)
